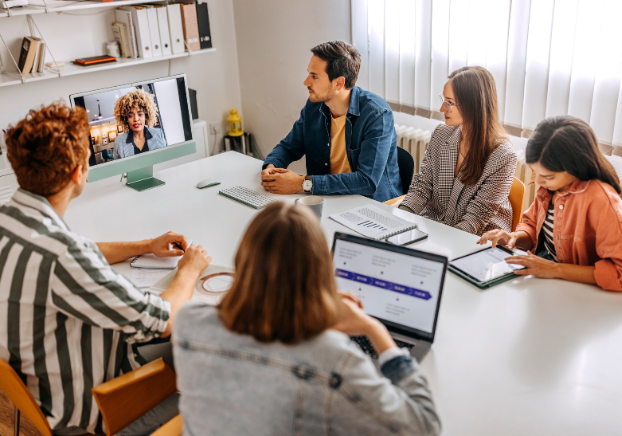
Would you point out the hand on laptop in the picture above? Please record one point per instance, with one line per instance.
(281, 181)
(161, 246)
(354, 322)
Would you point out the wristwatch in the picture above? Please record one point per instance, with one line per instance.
(307, 185)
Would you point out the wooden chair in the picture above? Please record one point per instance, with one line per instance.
(516, 197)
(25, 404)
(121, 401)
(393, 202)
(172, 428)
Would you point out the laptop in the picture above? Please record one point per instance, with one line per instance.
(399, 286)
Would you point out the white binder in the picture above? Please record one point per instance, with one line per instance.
(165, 36)
(176, 28)
(141, 28)
(154, 31)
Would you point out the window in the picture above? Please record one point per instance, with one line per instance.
(548, 57)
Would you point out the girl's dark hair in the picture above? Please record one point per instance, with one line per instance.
(476, 97)
(569, 144)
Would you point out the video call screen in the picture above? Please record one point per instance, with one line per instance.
(392, 286)
(137, 127)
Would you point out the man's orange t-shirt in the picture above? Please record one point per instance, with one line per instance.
(338, 158)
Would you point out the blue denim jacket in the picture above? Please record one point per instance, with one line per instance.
(371, 147)
(231, 384)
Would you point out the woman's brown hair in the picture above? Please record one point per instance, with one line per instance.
(476, 96)
(284, 287)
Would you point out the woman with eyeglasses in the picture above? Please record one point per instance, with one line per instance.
(468, 168)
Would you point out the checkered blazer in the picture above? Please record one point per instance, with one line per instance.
(436, 194)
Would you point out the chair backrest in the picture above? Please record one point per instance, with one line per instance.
(175, 427)
(516, 197)
(19, 395)
(406, 164)
(126, 398)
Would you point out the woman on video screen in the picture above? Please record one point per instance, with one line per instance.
(137, 113)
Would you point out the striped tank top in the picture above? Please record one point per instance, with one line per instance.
(547, 230)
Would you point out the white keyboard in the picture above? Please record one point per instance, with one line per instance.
(247, 197)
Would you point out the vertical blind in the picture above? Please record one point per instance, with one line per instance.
(548, 57)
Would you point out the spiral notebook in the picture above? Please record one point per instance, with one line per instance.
(151, 261)
(373, 222)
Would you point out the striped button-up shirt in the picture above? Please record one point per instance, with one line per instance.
(67, 318)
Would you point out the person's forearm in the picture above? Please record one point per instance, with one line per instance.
(523, 241)
(119, 251)
(344, 184)
(178, 293)
(380, 337)
(575, 273)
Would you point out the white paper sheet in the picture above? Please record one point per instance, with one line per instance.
(145, 278)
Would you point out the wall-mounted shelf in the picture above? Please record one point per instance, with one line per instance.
(10, 79)
(39, 7)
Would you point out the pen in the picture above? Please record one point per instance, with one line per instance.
(178, 245)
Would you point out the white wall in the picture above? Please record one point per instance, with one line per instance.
(274, 38)
(213, 75)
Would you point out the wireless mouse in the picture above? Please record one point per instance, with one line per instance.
(207, 183)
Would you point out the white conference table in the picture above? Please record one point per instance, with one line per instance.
(527, 357)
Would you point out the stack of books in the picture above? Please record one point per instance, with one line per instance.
(32, 55)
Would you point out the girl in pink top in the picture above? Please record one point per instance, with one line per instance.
(573, 229)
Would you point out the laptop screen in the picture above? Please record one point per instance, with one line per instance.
(399, 286)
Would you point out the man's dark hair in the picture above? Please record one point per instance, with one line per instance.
(342, 60)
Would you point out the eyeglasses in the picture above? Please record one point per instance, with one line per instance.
(449, 104)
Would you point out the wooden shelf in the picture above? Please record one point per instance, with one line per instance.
(38, 7)
(70, 69)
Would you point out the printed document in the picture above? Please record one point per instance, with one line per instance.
(373, 222)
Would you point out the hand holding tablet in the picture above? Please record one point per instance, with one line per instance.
(534, 265)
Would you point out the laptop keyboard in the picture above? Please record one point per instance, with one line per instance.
(368, 348)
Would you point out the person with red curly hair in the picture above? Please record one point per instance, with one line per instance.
(69, 320)
(137, 114)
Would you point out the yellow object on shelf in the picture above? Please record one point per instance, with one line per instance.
(235, 123)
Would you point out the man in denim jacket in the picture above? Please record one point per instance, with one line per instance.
(347, 134)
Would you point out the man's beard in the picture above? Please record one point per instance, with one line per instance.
(315, 98)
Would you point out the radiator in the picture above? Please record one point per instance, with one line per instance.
(416, 141)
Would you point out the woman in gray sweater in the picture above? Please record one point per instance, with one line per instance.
(275, 357)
